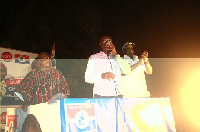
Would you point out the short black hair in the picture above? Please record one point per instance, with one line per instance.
(31, 123)
(105, 36)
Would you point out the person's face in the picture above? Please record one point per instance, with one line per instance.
(3, 71)
(105, 42)
(129, 50)
(44, 60)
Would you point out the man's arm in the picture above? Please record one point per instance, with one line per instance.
(148, 66)
(20, 92)
(90, 75)
(26, 103)
(149, 69)
(64, 85)
(133, 67)
(25, 88)
(124, 66)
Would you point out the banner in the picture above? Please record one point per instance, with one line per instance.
(98, 115)
(14, 119)
(117, 114)
(3, 113)
(84, 115)
(14, 65)
(145, 114)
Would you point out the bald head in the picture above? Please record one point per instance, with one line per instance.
(43, 55)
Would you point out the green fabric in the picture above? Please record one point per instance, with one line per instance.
(125, 68)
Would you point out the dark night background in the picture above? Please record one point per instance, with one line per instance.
(164, 28)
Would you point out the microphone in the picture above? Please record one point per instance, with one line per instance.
(110, 44)
(108, 52)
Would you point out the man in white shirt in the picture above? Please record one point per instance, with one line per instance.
(103, 70)
(134, 84)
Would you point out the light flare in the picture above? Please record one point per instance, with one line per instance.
(190, 97)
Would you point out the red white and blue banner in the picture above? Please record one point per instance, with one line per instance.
(79, 115)
(22, 59)
(14, 66)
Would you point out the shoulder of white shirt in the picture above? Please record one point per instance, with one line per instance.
(98, 55)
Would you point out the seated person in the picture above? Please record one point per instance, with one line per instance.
(42, 83)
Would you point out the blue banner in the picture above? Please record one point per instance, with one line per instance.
(116, 115)
(84, 115)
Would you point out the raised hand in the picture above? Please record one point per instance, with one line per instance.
(144, 56)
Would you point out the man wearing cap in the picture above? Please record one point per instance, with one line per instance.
(134, 84)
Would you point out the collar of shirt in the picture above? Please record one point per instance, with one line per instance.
(100, 55)
(133, 60)
(104, 55)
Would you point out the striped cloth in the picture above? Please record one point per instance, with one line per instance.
(39, 86)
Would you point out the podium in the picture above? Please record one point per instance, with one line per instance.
(100, 115)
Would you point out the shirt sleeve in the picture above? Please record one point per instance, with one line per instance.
(124, 65)
(26, 87)
(90, 75)
(143, 67)
(64, 87)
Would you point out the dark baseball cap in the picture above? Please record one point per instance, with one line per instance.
(127, 43)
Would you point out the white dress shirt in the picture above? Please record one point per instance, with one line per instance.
(100, 63)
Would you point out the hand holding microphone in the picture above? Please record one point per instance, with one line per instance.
(111, 48)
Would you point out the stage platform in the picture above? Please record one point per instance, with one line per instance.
(98, 115)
